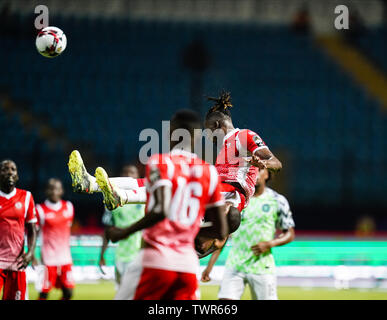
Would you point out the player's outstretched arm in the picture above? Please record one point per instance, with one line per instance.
(156, 214)
(104, 246)
(206, 272)
(264, 158)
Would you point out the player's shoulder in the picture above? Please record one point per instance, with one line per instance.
(247, 132)
(22, 192)
(24, 195)
(281, 199)
(68, 203)
(157, 158)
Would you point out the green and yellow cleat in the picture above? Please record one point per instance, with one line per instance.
(111, 198)
(81, 179)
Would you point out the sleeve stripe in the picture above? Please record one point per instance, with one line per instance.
(40, 213)
(171, 167)
(259, 148)
(213, 180)
(70, 206)
(27, 203)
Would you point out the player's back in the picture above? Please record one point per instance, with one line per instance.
(232, 161)
(193, 183)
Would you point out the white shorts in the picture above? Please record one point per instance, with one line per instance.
(120, 270)
(262, 286)
(130, 279)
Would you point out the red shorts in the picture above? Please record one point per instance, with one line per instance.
(57, 276)
(157, 284)
(14, 284)
(234, 195)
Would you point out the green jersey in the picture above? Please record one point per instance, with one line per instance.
(263, 215)
(122, 217)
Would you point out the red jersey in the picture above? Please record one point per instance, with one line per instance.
(16, 209)
(231, 162)
(55, 220)
(195, 186)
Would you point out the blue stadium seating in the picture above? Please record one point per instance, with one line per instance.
(117, 77)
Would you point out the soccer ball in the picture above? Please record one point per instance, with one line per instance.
(51, 42)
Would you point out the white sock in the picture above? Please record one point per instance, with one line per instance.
(124, 183)
(133, 196)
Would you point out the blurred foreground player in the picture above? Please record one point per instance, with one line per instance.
(250, 259)
(121, 217)
(181, 190)
(55, 217)
(17, 213)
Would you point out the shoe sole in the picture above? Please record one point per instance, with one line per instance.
(106, 188)
(77, 171)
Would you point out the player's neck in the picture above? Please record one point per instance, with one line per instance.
(259, 190)
(228, 127)
(52, 201)
(7, 189)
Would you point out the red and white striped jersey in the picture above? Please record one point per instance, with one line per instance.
(195, 186)
(55, 220)
(231, 163)
(16, 209)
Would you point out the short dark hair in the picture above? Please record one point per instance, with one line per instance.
(186, 119)
(233, 219)
(5, 161)
(53, 179)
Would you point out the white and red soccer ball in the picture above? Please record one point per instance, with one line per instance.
(51, 42)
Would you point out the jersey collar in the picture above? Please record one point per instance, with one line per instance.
(8, 195)
(229, 134)
(53, 206)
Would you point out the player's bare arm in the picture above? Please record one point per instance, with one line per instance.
(264, 158)
(158, 212)
(285, 237)
(25, 258)
(206, 272)
(105, 242)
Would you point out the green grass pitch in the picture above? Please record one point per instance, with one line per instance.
(105, 291)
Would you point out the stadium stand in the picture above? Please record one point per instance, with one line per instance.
(283, 87)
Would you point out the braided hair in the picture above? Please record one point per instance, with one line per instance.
(221, 107)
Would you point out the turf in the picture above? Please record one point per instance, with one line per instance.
(105, 291)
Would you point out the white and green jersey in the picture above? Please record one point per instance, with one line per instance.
(260, 220)
(122, 217)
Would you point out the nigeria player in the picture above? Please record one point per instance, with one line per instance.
(250, 259)
(121, 217)
(17, 214)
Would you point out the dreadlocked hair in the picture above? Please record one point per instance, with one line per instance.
(221, 106)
